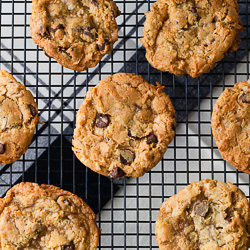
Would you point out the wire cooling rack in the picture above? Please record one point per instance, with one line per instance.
(126, 209)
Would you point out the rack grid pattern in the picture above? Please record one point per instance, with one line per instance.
(126, 209)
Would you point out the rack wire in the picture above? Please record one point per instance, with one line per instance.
(127, 209)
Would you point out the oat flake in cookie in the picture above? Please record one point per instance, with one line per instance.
(190, 36)
(205, 215)
(18, 118)
(124, 126)
(76, 33)
(231, 125)
(46, 217)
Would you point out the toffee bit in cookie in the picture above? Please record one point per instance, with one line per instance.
(126, 157)
(102, 120)
(201, 208)
(245, 98)
(86, 31)
(152, 138)
(68, 247)
(117, 173)
(32, 110)
(2, 148)
(59, 27)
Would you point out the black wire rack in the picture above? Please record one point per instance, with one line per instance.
(126, 209)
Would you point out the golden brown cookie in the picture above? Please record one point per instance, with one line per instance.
(231, 125)
(190, 36)
(124, 126)
(206, 215)
(18, 118)
(46, 217)
(76, 33)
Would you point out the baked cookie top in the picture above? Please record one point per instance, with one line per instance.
(124, 126)
(231, 125)
(204, 215)
(18, 118)
(46, 217)
(190, 36)
(76, 33)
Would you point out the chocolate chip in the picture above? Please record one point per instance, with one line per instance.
(102, 120)
(212, 40)
(201, 208)
(32, 110)
(2, 148)
(126, 157)
(61, 49)
(59, 27)
(66, 201)
(228, 218)
(68, 247)
(86, 31)
(151, 138)
(41, 29)
(95, 2)
(47, 36)
(194, 10)
(102, 47)
(117, 173)
(245, 98)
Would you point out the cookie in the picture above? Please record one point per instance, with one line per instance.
(204, 215)
(190, 36)
(46, 217)
(18, 118)
(124, 126)
(231, 125)
(77, 34)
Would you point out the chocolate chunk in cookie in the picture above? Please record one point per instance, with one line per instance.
(152, 138)
(32, 110)
(245, 97)
(117, 173)
(68, 247)
(102, 121)
(2, 148)
(126, 157)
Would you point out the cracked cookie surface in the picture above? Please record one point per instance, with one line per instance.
(18, 118)
(204, 215)
(46, 217)
(123, 126)
(190, 36)
(76, 33)
(231, 125)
